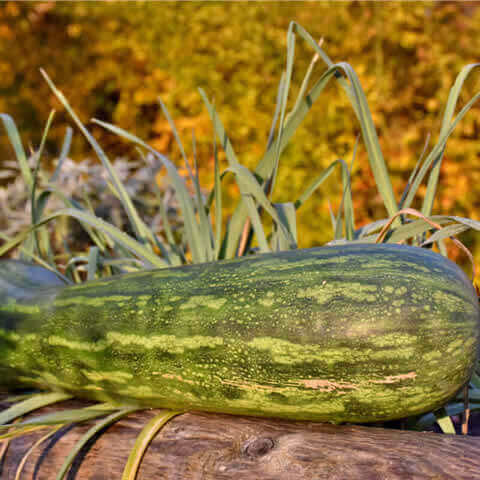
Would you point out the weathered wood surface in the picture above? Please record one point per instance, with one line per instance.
(202, 446)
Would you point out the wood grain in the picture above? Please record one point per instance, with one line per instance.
(221, 447)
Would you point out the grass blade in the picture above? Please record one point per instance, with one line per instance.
(98, 427)
(437, 151)
(287, 214)
(205, 226)
(143, 441)
(92, 264)
(67, 143)
(35, 402)
(117, 235)
(140, 229)
(256, 223)
(271, 134)
(348, 211)
(16, 142)
(40, 236)
(288, 78)
(413, 174)
(446, 232)
(249, 185)
(193, 235)
(318, 181)
(74, 415)
(236, 223)
(217, 193)
(447, 118)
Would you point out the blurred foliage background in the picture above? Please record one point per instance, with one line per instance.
(113, 60)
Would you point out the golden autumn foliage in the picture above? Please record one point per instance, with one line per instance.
(113, 61)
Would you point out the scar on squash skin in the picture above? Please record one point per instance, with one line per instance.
(325, 385)
(396, 378)
(170, 376)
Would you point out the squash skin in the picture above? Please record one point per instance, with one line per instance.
(351, 333)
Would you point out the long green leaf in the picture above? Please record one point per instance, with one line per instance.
(437, 151)
(35, 402)
(271, 134)
(217, 192)
(446, 232)
(447, 118)
(205, 225)
(256, 223)
(140, 229)
(67, 143)
(235, 225)
(369, 134)
(40, 236)
(74, 415)
(16, 142)
(249, 186)
(285, 91)
(117, 235)
(307, 193)
(287, 214)
(192, 231)
(98, 427)
(413, 174)
(348, 211)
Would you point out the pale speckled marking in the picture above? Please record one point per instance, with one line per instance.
(454, 345)
(452, 302)
(266, 302)
(428, 357)
(57, 341)
(112, 376)
(209, 301)
(329, 290)
(13, 306)
(401, 290)
(394, 340)
(288, 353)
(92, 301)
(396, 378)
(169, 343)
(171, 376)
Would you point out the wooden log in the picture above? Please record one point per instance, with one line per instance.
(206, 446)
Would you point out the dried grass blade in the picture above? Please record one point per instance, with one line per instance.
(25, 457)
(143, 441)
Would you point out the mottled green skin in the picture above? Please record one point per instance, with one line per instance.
(354, 333)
